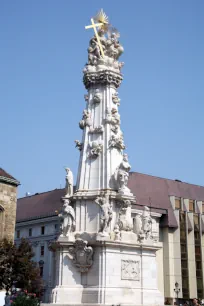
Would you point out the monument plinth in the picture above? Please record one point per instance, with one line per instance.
(106, 253)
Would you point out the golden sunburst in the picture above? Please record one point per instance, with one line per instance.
(101, 17)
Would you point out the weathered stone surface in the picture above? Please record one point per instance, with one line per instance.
(8, 197)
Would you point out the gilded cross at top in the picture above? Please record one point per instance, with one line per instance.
(103, 21)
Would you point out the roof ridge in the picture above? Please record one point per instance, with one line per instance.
(39, 193)
(4, 172)
(164, 178)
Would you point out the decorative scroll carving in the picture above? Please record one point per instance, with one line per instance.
(116, 141)
(106, 213)
(95, 149)
(105, 77)
(81, 255)
(122, 175)
(69, 183)
(79, 145)
(86, 119)
(115, 98)
(97, 130)
(67, 217)
(130, 269)
(97, 97)
(112, 116)
(125, 221)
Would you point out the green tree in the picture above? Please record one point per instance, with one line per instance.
(7, 258)
(17, 267)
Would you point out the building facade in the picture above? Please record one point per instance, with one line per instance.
(37, 220)
(181, 206)
(8, 198)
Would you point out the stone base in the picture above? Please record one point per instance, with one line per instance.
(122, 273)
(114, 297)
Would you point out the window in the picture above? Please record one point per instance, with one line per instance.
(56, 226)
(177, 203)
(41, 271)
(184, 264)
(42, 250)
(197, 250)
(30, 232)
(191, 206)
(200, 283)
(198, 265)
(185, 282)
(183, 249)
(183, 235)
(196, 220)
(42, 230)
(18, 234)
(197, 236)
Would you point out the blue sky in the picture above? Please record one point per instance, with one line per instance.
(43, 51)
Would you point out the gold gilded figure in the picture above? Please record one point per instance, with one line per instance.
(102, 20)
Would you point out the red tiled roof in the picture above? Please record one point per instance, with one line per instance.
(39, 205)
(159, 190)
(6, 174)
(143, 186)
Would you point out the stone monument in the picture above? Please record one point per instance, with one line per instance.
(106, 253)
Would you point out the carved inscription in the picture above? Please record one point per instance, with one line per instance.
(130, 269)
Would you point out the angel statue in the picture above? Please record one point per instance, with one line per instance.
(122, 175)
(114, 49)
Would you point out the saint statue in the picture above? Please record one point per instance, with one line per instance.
(106, 213)
(69, 183)
(68, 218)
(122, 175)
(146, 220)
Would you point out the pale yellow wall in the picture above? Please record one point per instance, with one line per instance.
(191, 261)
(176, 245)
(168, 257)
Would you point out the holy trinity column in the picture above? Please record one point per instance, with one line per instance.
(98, 253)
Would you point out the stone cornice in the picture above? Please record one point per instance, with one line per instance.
(152, 213)
(9, 181)
(36, 219)
(113, 244)
(103, 77)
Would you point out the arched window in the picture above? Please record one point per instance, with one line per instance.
(1, 222)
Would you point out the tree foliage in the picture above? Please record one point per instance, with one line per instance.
(25, 300)
(17, 267)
